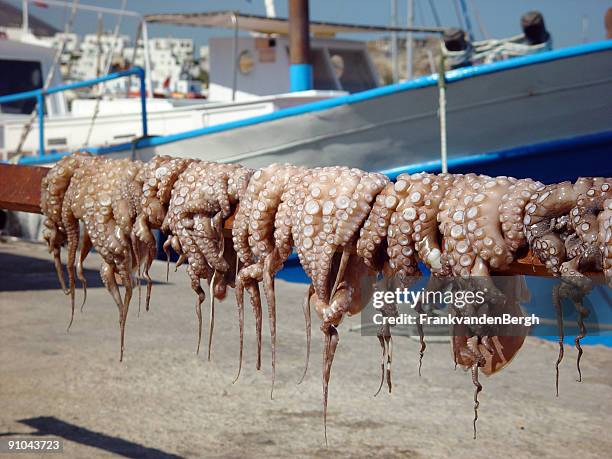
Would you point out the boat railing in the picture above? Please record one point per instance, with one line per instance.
(39, 95)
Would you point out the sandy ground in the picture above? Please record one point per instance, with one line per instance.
(165, 401)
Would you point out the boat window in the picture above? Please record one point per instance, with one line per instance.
(19, 76)
(322, 74)
(246, 62)
(352, 69)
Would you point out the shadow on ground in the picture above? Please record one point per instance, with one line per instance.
(21, 272)
(51, 426)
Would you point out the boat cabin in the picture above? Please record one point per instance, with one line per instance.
(263, 66)
(23, 68)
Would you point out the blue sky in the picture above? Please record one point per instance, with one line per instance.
(500, 18)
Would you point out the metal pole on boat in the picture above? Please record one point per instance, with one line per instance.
(147, 57)
(143, 102)
(409, 41)
(270, 9)
(394, 61)
(235, 57)
(300, 71)
(24, 17)
(40, 98)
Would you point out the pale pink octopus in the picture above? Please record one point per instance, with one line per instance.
(203, 198)
(253, 236)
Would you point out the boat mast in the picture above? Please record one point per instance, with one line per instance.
(394, 61)
(300, 71)
(409, 41)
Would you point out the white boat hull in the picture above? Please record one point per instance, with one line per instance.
(522, 105)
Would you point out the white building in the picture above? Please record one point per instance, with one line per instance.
(172, 59)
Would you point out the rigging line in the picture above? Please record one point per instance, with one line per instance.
(99, 33)
(419, 12)
(58, 55)
(466, 18)
(107, 65)
(458, 14)
(132, 62)
(483, 31)
(434, 12)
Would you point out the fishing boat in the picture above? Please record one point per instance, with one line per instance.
(248, 78)
(540, 108)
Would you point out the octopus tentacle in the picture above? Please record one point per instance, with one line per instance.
(400, 242)
(582, 313)
(383, 362)
(211, 322)
(253, 235)
(331, 340)
(307, 319)
(107, 273)
(512, 211)
(426, 233)
(255, 298)
(54, 187)
(72, 237)
(85, 249)
(373, 236)
(606, 239)
(559, 313)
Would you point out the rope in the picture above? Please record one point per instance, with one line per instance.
(483, 30)
(99, 33)
(487, 51)
(109, 61)
(434, 12)
(134, 56)
(466, 18)
(442, 111)
(58, 55)
(458, 14)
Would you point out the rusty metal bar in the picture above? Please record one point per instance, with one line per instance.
(20, 190)
(20, 187)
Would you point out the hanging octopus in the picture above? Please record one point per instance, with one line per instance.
(347, 226)
(158, 177)
(480, 220)
(391, 224)
(330, 206)
(53, 190)
(253, 236)
(564, 231)
(204, 197)
(104, 195)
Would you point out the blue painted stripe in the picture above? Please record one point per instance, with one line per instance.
(523, 151)
(300, 77)
(75, 85)
(431, 80)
